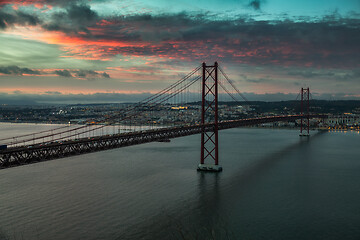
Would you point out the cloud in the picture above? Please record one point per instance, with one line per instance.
(53, 93)
(256, 4)
(15, 70)
(330, 42)
(311, 73)
(105, 75)
(63, 73)
(75, 19)
(32, 2)
(72, 19)
(340, 75)
(90, 74)
(259, 80)
(79, 73)
(324, 43)
(8, 19)
(17, 92)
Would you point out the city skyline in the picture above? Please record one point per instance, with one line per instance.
(85, 51)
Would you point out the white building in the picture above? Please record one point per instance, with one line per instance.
(345, 119)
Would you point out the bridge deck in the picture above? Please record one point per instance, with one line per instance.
(16, 156)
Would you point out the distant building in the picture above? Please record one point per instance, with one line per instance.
(346, 119)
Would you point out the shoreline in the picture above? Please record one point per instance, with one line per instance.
(336, 128)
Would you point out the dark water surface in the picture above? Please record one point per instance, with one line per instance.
(275, 185)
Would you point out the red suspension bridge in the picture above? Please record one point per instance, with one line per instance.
(109, 132)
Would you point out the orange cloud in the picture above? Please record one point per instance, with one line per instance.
(20, 2)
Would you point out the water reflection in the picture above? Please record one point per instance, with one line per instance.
(274, 184)
(206, 216)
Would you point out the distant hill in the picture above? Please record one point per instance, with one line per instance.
(319, 106)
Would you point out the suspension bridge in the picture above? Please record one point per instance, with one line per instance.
(137, 123)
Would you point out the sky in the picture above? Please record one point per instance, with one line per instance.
(80, 51)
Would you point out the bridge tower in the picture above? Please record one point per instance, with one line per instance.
(305, 112)
(209, 117)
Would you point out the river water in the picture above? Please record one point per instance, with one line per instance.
(275, 185)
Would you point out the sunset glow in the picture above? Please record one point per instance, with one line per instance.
(267, 47)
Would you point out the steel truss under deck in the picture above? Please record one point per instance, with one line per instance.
(17, 156)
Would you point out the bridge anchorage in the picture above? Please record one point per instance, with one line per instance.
(209, 115)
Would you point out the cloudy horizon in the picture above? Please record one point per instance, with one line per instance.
(77, 50)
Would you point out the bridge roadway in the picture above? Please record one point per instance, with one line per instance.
(16, 156)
